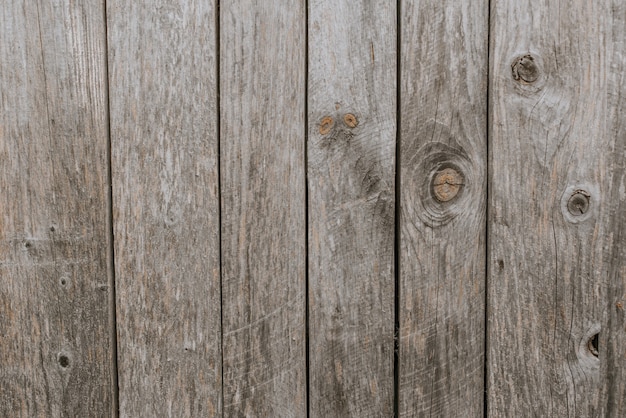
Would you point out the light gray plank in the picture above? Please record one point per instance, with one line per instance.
(442, 225)
(262, 79)
(55, 328)
(613, 340)
(163, 82)
(547, 253)
(351, 159)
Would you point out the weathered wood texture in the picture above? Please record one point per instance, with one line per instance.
(163, 83)
(262, 104)
(55, 328)
(550, 213)
(351, 159)
(613, 340)
(442, 223)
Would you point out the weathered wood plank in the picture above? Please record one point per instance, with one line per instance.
(613, 340)
(351, 159)
(443, 188)
(549, 213)
(55, 300)
(163, 82)
(262, 79)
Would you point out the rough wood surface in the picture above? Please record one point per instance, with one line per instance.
(550, 209)
(613, 342)
(55, 329)
(442, 224)
(162, 60)
(351, 158)
(262, 79)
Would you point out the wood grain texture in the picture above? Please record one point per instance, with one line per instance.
(351, 159)
(262, 79)
(55, 329)
(442, 242)
(613, 341)
(548, 260)
(163, 83)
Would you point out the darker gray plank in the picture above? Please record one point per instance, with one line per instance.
(163, 83)
(442, 225)
(262, 91)
(550, 208)
(351, 150)
(55, 282)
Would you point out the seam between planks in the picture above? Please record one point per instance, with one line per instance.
(110, 220)
(397, 232)
(487, 205)
(307, 349)
(219, 189)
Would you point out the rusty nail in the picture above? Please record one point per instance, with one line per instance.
(446, 184)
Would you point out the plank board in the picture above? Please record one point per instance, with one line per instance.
(613, 341)
(163, 84)
(55, 283)
(262, 90)
(443, 164)
(549, 209)
(351, 162)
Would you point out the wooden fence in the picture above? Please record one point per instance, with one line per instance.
(329, 208)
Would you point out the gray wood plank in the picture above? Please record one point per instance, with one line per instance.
(55, 300)
(351, 162)
(262, 79)
(442, 224)
(613, 341)
(163, 83)
(549, 209)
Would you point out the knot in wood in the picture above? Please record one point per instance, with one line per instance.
(446, 184)
(525, 69)
(578, 203)
(326, 124)
(350, 120)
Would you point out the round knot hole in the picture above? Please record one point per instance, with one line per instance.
(64, 361)
(326, 124)
(525, 69)
(350, 120)
(446, 184)
(578, 203)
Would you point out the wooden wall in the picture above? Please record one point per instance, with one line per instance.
(322, 208)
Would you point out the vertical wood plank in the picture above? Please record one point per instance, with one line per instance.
(163, 82)
(262, 79)
(351, 158)
(549, 216)
(443, 188)
(613, 340)
(55, 328)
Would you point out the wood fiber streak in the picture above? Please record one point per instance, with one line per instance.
(262, 79)
(549, 269)
(442, 244)
(55, 331)
(162, 60)
(351, 159)
(613, 341)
